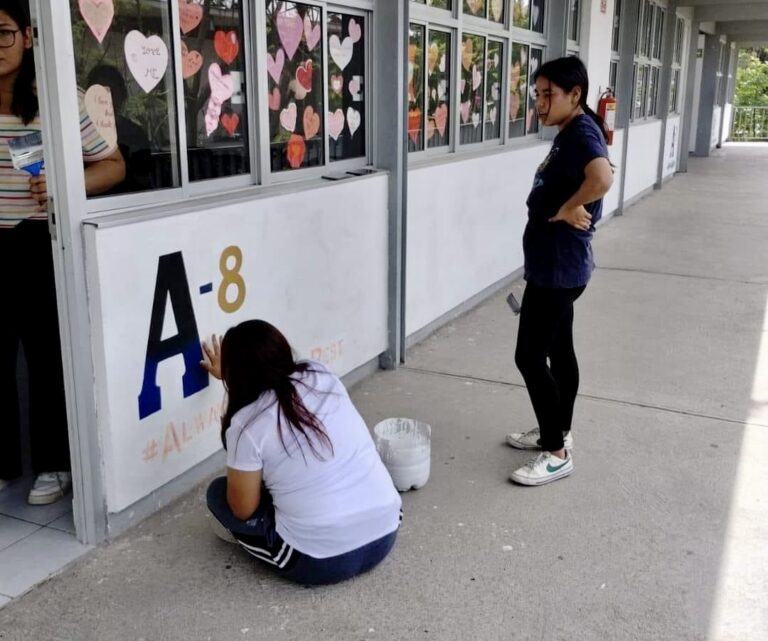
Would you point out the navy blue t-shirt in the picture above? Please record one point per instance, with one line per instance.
(558, 255)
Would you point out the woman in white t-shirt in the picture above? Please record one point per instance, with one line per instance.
(305, 491)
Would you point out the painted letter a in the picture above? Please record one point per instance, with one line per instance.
(171, 282)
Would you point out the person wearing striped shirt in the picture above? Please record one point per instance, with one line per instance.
(29, 314)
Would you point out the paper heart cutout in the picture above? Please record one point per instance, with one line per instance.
(335, 123)
(290, 28)
(430, 128)
(462, 85)
(98, 104)
(514, 105)
(492, 113)
(147, 59)
(433, 56)
(288, 117)
(191, 62)
(475, 119)
(311, 121)
(230, 123)
(222, 84)
(98, 15)
(495, 91)
(275, 65)
(497, 9)
(304, 75)
(354, 88)
(441, 118)
(226, 45)
(341, 51)
(441, 66)
(337, 84)
(464, 111)
(354, 120)
(299, 91)
(212, 113)
(475, 5)
(414, 125)
(275, 99)
(355, 31)
(311, 33)
(442, 89)
(190, 15)
(295, 150)
(467, 53)
(477, 78)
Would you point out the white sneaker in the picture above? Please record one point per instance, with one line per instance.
(49, 487)
(543, 469)
(532, 440)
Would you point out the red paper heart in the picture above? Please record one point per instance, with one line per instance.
(227, 46)
(304, 75)
(295, 150)
(230, 123)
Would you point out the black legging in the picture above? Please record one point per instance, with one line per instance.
(546, 331)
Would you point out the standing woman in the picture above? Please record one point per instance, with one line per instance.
(305, 491)
(29, 312)
(563, 207)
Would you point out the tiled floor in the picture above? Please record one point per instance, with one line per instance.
(35, 541)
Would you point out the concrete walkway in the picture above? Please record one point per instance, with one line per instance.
(660, 534)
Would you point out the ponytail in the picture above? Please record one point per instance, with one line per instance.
(596, 117)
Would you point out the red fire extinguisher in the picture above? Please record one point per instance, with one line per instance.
(606, 109)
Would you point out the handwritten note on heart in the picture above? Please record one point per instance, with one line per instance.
(275, 99)
(226, 45)
(191, 62)
(190, 15)
(147, 59)
(341, 52)
(230, 123)
(355, 31)
(98, 15)
(335, 124)
(353, 120)
(290, 28)
(288, 117)
(98, 104)
(311, 33)
(222, 85)
(311, 123)
(275, 65)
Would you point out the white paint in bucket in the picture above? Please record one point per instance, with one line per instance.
(404, 445)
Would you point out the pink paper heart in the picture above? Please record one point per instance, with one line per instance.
(98, 15)
(337, 84)
(335, 123)
(222, 85)
(275, 65)
(288, 117)
(441, 118)
(274, 99)
(212, 113)
(311, 33)
(355, 31)
(311, 121)
(464, 111)
(354, 87)
(230, 123)
(191, 62)
(290, 28)
(190, 15)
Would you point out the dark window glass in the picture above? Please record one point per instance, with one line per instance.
(416, 88)
(471, 89)
(494, 63)
(439, 83)
(518, 90)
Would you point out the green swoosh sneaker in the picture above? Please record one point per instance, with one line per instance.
(543, 469)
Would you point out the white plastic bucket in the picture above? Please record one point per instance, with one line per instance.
(404, 445)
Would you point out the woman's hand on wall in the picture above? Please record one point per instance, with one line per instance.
(212, 357)
(577, 217)
(39, 189)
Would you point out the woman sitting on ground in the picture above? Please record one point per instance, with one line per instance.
(305, 491)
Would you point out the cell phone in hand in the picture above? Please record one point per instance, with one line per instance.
(513, 303)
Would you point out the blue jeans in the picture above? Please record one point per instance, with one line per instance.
(259, 538)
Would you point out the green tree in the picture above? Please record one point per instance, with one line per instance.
(752, 78)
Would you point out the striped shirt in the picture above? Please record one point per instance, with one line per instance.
(16, 202)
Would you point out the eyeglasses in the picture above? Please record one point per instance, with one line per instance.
(8, 37)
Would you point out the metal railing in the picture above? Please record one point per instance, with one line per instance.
(750, 124)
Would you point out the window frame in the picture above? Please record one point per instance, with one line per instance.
(647, 61)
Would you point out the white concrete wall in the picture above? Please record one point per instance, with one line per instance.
(611, 200)
(699, 62)
(596, 36)
(314, 263)
(642, 157)
(717, 114)
(465, 224)
(728, 115)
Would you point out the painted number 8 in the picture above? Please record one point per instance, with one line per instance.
(231, 278)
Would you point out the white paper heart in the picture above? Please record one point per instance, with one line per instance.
(475, 119)
(288, 117)
(353, 120)
(98, 104)
(147, 59)
(341, 51)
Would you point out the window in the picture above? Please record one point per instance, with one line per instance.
(492, 10)
(494, 63)
(439, 84)
(438, 4)
(535, 60)
(416, 87)
(518, 90)
(471, 88)
(613, 70)
(677, 58)
(573, 20)
(648, 60)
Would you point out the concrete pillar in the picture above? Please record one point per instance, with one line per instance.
(391, 69)
(558, 29)
(668, 50)
(625, 82)
(708, 98)
(690, 86)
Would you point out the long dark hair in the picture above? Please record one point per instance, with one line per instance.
(568, 73)
(24, 103)
(256, 358)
